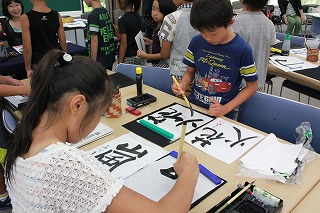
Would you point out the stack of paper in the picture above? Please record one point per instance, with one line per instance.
(274, 160)
(290, 64)
(75, 24)
(17, 101)
(100, 131)
(302, 52)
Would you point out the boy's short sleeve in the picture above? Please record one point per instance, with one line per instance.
(122, 26)
(93, 24)
(168, 28)
(248, 68)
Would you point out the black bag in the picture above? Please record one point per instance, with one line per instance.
(276, 19)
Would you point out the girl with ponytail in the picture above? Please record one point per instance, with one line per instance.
(45, 174)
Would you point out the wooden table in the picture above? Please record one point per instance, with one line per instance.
(291, 194)
(295, 77)
(310, 203)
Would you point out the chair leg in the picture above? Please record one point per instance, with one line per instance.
(281, 91)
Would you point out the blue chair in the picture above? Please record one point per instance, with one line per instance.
(156, 77)
(273, 114)
(315, 27)
(295, 40)
(9, 122)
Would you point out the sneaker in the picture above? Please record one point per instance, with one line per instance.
(6, 204)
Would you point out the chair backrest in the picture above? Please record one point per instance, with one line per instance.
(294, 39)
(273, 114)
(155, 77)
(315, 27)
(8, 121)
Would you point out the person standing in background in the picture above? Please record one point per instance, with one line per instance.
(42, 30)
(256, 29)
(101, 33)
(129, 26)
(292, 15)
(160, 8)
(176, 33)
(10, 29)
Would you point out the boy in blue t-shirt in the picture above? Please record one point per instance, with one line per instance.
(217, 60)
(101, 35)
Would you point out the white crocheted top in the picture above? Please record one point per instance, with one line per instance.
(61, 178)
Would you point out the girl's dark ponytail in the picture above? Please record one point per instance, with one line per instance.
(36, 105)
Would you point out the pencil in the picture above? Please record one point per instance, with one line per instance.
(183, 95)
(183, 134)
(235, 197)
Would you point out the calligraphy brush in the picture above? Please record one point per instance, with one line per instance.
(305, 44)
(235, 197)
(170, 172)
(183, 95)
(183, 134)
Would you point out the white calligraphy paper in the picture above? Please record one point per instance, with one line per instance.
(223, 140)
(152, 184)
(290, 64)
(100, 131)
(172, 117)
(274, 160)
(127, 154)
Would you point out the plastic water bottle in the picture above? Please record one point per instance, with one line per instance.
(286, 45)
(139, 80)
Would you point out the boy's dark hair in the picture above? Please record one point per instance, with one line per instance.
(166, 7)
(135, 3)
(5, 4)
(254, 4)
(52, 80)
(210, 14)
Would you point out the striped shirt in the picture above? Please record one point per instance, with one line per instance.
(290, 11)
(219, 69)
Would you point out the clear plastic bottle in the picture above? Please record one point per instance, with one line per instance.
(286, 45)
(139, 80)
